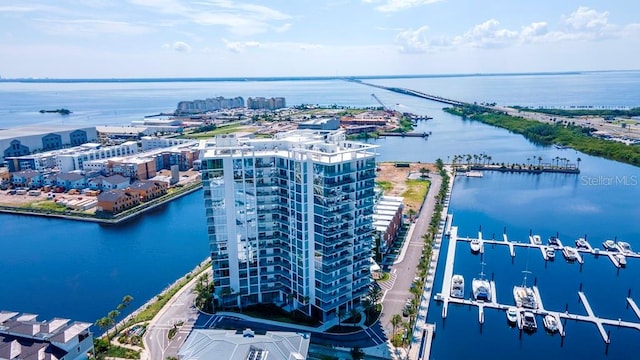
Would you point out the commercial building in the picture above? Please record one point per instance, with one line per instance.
(290, 220)
(26, 140)
(22, 336)
(244, 345)
(320, 124)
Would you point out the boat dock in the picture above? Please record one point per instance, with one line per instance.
(542, 247)
(540, 311)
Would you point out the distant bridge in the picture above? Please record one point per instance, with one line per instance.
(415, 93)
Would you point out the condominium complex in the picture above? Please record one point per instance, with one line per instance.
(264, 103)
(290, 220)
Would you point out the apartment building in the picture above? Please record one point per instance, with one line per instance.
(290, 220)
(22, 336)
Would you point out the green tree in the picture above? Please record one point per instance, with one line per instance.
(341, 314)
(396, 320)
(353, 314)
(375, 293)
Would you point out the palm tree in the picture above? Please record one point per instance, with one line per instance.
(396, 320)
(353, 314)
(578, 160)
(104, 324)
(375, 293)
(357, 353)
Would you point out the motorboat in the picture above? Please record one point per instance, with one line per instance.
(524, 295)
(457, 286)
(536, 240)
(512, 315)
(554, 241)
(581, 243)
(550, 323)
(475, 245)
(624, 247)
(529, 321)
(550, 252)
(622, 260)
(570, 253)
(610, 245)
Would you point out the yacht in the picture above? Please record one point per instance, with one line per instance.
(610, 245)
(512, 315)
(457, 286)
(554, 242)
(524, 295)
(581, 243)
(570, 253)
(624, 247)
(622, 260)
(536, 240)
(550, 323)
(550, 252)
(529, 321)
(475, 245)
(481, 287)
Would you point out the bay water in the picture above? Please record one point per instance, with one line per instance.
(81, 270)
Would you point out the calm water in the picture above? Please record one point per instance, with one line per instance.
(77, 270)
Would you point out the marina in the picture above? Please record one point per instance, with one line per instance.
(529, 307)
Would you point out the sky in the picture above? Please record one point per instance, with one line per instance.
(226, 38)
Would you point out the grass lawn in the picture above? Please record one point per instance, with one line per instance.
(385, 185)
(415, 193)
(228, 129)
(49, 205)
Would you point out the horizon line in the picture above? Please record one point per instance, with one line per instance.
(282, 78)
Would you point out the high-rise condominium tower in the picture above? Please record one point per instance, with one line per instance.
(290, 220)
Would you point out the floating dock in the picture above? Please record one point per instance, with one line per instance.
(540, 311)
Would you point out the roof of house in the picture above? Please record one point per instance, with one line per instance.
(143, 185)
(112, 195)
(68, 176)
(26, 173)
(116, 179)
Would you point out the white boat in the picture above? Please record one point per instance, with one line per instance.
(622, 260)
(624, 247)
(550, 323)
(512, 315)
(554, 241)
(610, 245)
(475, 245)
(457, 286)
(524, 295)
(570, 253)
(581, 243)
(528, 321)
(536, 240)
(481, 287)
(550, 252)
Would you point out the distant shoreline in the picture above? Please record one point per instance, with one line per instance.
(291, 78)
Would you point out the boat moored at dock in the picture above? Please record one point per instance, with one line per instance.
(550, 253)
(554, 241)
(581, 243)
(524, 295)
(536, 240)
(610, 245)
(475, 245)
(622, 260)
(512, 315)
(529, 323)
(550, 323)
(457, 286)
(571, 254)
(625, 247)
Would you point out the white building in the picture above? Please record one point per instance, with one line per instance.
(152, 142)
(290, 220)
(17, 142)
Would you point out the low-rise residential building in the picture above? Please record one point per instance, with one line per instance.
(22, 336)
(140, 168)
(115, 201)
(152, 142)
(108, 182)
(27, 178)
(243, 345)
(71, 180)
(387, 221)
(148, 189)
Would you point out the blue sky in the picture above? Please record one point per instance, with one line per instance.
(224, 38)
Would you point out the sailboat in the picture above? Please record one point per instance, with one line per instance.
(481, 287)
(524, 295)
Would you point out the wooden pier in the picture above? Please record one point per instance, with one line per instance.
(405, 134)
(540, 311)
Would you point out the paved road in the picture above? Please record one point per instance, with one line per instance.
(179, 308)
(405, 271)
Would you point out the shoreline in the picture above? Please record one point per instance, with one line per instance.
(103, 221)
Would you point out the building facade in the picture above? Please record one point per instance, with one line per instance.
(18, 142)
(290, 220)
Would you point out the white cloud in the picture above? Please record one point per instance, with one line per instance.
(583, 24)
(241, 46)
(181, 46)
(239, 18)
(398, 5)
